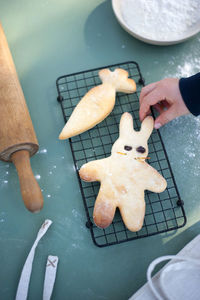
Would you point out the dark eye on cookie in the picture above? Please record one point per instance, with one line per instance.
(140, 149)
(127, 148)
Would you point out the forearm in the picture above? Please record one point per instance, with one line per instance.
(190, 91)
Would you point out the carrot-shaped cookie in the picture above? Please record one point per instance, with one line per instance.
(124, 176)
(98, 102)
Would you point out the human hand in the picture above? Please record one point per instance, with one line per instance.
(165, 97)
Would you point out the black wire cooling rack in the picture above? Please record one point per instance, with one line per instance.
(164, 211)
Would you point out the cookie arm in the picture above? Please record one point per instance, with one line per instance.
(155, 182)
(91, 171)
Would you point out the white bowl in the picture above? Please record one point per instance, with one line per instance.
(192, 30)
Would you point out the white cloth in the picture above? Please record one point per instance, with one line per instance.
(177, 279)
(22, 290)
(50, 276)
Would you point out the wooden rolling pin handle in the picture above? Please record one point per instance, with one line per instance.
(30, 190)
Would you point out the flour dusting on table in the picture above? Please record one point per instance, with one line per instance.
(184, 144)
(160, 19)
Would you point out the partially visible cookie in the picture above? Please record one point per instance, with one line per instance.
(98, 102)
(124, 176)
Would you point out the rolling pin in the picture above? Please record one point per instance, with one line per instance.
(17, 136)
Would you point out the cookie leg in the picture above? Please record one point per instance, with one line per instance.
(132, 213)
(104, 209)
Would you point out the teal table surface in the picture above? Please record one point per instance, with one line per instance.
(48, 39)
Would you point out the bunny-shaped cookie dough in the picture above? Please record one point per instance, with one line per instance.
(124, 176)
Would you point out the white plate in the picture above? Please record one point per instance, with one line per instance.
(116, 5)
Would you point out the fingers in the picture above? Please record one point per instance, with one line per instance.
(165, 117)
(148, 100)
(165, 104)
(146, 90)
(162, 106)
(165, 96)
(159, 108)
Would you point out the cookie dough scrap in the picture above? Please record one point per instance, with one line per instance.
(124, 176)
(98, 102)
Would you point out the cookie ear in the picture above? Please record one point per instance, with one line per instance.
(126, 124)
(147, 127)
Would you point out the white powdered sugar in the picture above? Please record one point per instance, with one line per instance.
(160, 19)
